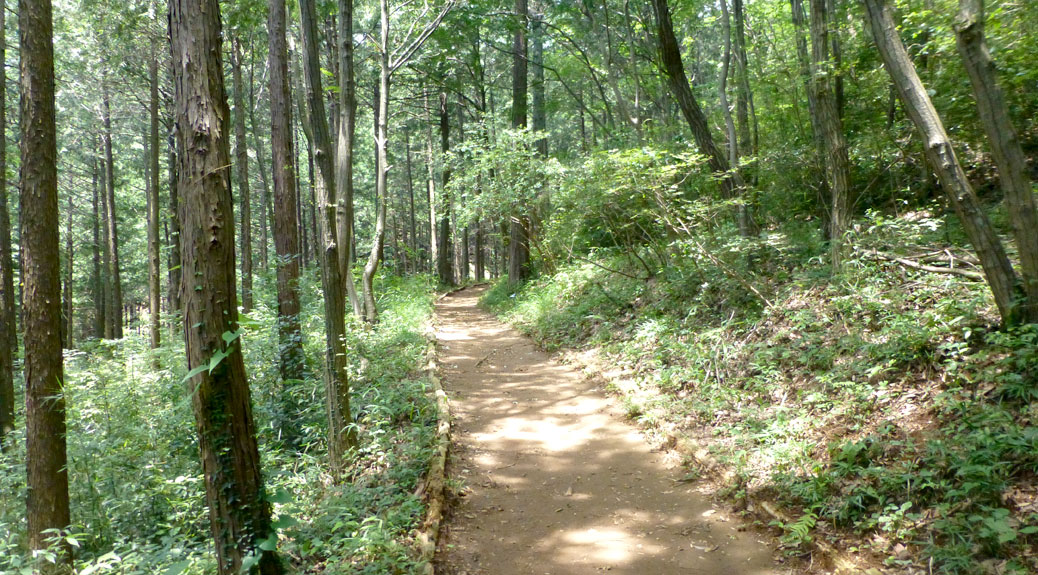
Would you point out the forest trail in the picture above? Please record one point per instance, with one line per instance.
(555, 481)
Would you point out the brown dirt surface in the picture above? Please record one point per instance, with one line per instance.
(554, 480)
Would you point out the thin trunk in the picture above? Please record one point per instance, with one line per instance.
(726, 109)
(175, 272)
(8, 333)
(241, 153)
(96, 279)
(114, 312)
(519, 225)
(731, 182)
(261, 165)
(106, 252)
(413, 245)
(154, 279)
(837, 163)
(1005, 146)
(239, 513)
(344, 154)
(997, 268)
(742, 81)
(286, 221)
(430, 183)
(444, 271)
(382, 165)
(818, 163)
(47, 498)
(68, 340)
(337, 390)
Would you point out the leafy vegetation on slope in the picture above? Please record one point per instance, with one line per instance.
(880, 403)
(136, 480)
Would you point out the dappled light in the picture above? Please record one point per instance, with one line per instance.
(553, 480)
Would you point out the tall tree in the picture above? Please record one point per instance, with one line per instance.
(97, 283)
(241, 154)
(444, 270)
(837, 162)
(337, 387)
(238, 512)
(519, 222)
(114, 291)
(939, 151)
(286, 220)
(1005, 145)
(344, 153)
(154, 297)
(8, 335)
(670, 54)
(47, 500)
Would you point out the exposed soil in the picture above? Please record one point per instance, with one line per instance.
(554, 480)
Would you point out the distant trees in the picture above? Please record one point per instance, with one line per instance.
(238, 512)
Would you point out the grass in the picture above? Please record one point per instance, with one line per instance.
(880, 406)
(135, 477)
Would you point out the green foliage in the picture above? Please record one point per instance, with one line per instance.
(895, 413)
(135, 478)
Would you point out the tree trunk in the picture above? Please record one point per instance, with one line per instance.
(444, 270)
(47, 500)
(114, 312)
(337, 390)
(8, 334)
(261, 165)
(286, 221)
(413, 243)
(68, 340)
(344, 154)
(154, 279)
(175, 272)
(430, 183)
(837, 163)
(742, 80)
(726, 108)
(97, 279)
(382, 167)
(818, 168)
(1005, 146)
(238, 511)
(997, 268)
(519, 221)
(241, 152)
(731, 181)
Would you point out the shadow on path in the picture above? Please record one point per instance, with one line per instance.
(555, 481)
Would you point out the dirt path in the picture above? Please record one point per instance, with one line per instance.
(555, 481)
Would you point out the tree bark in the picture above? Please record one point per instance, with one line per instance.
(96, 280)
(997, 268)
(726, 108)
(337, 390)
(344, 154)
(430, 183)
(241, 153)
(837, 162)
(818, 167)
(1005, 146)
(47, 500)
(286, 221)
(154, 279)
(8, 334)
(519, 221)
(114, 311)
(175, 271)
(413, 239)
(239, 514)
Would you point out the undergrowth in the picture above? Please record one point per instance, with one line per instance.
(882, 406)
(135, 477)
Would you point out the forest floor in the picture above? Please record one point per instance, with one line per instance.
(550, 477)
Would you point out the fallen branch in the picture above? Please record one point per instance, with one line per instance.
(429, 532)
(969, 274)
